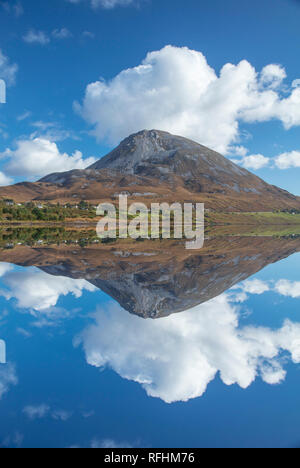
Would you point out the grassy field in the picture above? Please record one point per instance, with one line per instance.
(259, 218)
(253, 224)
(216, 225)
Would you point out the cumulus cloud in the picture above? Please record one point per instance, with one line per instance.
(8, 377)
(39, 291)
(273, 75)
(253, 161)
(5, 180)
(174, 89)
(288, 160)
(8, 70)
(283, 161)
(35, 158)
(175, 358)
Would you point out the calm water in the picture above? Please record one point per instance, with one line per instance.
(92, 355)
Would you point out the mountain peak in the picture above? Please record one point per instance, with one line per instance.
(157, 148)
(166, 167)
(137, 148)
(164, 157)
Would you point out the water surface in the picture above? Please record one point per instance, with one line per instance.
(148, 345)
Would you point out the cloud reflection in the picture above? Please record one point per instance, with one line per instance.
(8, 377)
(34, 289)
(175, 358)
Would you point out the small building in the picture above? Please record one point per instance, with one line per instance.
(9, 202)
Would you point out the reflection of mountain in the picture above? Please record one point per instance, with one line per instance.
(150, 281)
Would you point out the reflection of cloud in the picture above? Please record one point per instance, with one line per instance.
(5, 268)
(8, 377)
(61, 415)
(36, 412)
(43, 410)
(39, 291)
(288, 288)
(12, 441)
(109, 444)
(255, 286)
(283, 287)
(175, 358)
(8, 70)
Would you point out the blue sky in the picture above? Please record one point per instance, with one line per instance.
(70, 98)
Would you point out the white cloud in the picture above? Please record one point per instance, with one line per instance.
(258, 161)
(24, 116)
(36, 37)
(288, 160)
(174, 89)
(273, 75)
(39, 291)
(8, 377)
(8, 70)
(296, 83)
(254, 161)
(175, 358)
(38, 157)
(5, 180)
(62, 33)
(42, 38)
(36, 412)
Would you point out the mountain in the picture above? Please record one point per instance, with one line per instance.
(157, 165)
(153, 281)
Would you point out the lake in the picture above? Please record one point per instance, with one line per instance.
(145, 344)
